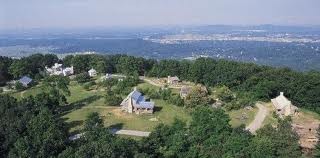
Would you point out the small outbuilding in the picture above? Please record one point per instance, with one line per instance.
(173, 80)
(25, 81)
(92, 72)
(283, 106)
(108, 76)
(184, 91)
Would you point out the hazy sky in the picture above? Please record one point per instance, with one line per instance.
(107, 13)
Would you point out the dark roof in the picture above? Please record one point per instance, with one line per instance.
(25, 80)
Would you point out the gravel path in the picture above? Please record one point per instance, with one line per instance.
(117, 131)
(131, 132)
(259, 118)
(157, 84)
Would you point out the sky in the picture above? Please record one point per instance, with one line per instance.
(24, 14)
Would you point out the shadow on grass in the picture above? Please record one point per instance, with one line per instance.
(75, 124)
(115, 127)
(157, 109)
(77, 105)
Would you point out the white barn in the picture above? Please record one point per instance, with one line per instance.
(283, 106)
(92, 72)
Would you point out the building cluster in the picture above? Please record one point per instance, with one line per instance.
(58, 69)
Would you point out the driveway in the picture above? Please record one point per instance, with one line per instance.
(259, 118)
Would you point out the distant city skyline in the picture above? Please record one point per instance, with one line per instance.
(21, 14)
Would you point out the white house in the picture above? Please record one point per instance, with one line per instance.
(283, 106)
(68, 71)
(57, 69)
(92, 72)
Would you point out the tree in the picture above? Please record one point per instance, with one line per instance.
(45, 136)
(80, 63)
(93, 121)
(276, 142)
(237, 144)
(49, 60)
(108, 83)
(5, 63)
(18, 86)
(60, 83)
(82, 78)
(112, 99)
(18, 68)
(197, 97)
(209, 130)
(224, 94)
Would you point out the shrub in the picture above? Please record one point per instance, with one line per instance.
(18, 86)
(82, 78)
(112, 99)
(88, 85)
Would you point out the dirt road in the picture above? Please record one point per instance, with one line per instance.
(158, 84)
(259, 118)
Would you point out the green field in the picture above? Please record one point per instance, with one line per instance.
(236, 116)
(93, 101)
(83, 102)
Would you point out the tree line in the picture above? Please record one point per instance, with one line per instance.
(251, 81)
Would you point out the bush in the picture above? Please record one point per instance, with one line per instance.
(1, 90)
(38, 77)
(82, 78)
(108, 83)
(112, 99)
(18, 86)
(88, 85)
(224, 94)
(176, 100)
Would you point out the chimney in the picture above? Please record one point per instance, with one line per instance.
(135, 88)
(281, 93)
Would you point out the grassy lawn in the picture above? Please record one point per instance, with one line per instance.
(270, 119)
(311, 114)
(28, 92)
(236, 115)
(93, 101)
(144, 86)
(83, 102)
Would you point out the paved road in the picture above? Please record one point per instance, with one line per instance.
(259, 118)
